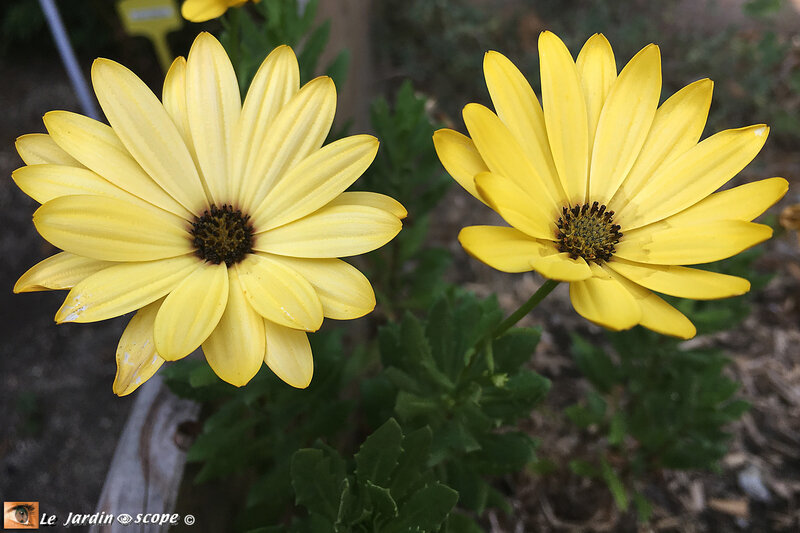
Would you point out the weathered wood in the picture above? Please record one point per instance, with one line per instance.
(147, 466)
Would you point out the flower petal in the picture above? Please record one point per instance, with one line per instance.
(345, 293)
(560, 266)
(744, 202)
(299, 129)
(203, 10)
(147, 131)
(110, 229)
(691, 245)
(604, 301)
(40, 148)
(681, 281)
(505, 249)
(516, 206)
(317, 180)
(504, 155)
(332, 231)
(565, 115)
(137, 359)
(235, 349)
(371, 199)
(657, 314)
(97, 146)
(279, 293)
(275, 83)
(60, 271)
(625, 122)
(598, 70)
(45, 182)
(694, 175)
(518, 108)
(459, 158)
(173, 97)
(213, 105)
(191, 311)
(289, 355)
(677, 126)
(123, 288)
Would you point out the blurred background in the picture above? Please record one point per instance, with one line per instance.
(60, 421)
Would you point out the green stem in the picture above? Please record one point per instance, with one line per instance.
(546, 288)
(486, 341)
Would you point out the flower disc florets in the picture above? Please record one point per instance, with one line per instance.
(588, 232)
(222, 234)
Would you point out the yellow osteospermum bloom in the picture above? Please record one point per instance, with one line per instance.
(203, 10)
(604, 188)
(220, 222)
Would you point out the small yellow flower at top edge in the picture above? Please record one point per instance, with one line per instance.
(605, 189)
(203, 10)
(220, 222)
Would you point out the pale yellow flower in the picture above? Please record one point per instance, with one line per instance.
(203, 10)
(220, 222)
(604, 188)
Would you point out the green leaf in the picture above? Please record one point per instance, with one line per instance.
(583, 468)
(594, 363)
(377, 457)
(459, 523)
(410, 406)
(412, 462)
(615, 485)
(643, 507)
(383, 505)
(515, 348)
(616, 429)
(425, 510)
(317, 479)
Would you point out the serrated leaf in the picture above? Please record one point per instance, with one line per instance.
(515, 348)
(409, 406)
(317, 479)
(377, 457)
(412, 461)
(425, 510)
(382, 502)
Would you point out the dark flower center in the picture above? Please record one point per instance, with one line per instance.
(588, 232)
(222, 234)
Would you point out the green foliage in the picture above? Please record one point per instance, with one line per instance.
(657, 403)
(247, 430)
(248, 38)
(391, 489)
(406, 273)
(445, 374)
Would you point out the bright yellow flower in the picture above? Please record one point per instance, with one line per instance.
(203, 10)
(603, 188)
(220, 222)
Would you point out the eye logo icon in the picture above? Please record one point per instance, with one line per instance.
(124, 519)
(20, 515)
